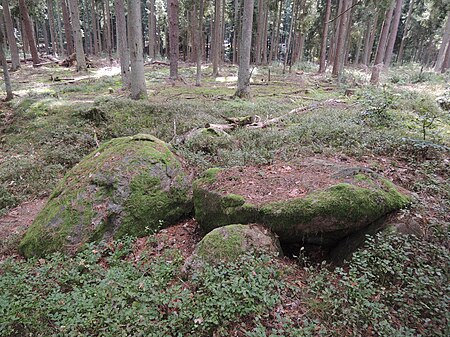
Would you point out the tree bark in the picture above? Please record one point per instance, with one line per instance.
(442, 49)
(46, 38)
(6, 78)
(79, 50)
(243, 85)
(381, 48)
(393, 33)
(94, 27)
(217, 45)
(259, 32)
(151, 29)
(323, 47)
(338, 63)
(275, 33)
(198, 78)
(291, 29)
(51, 21)
(122, 44)
(265, 33)
(108, 30)
(29, 30)
(138, 87)
(446, 63)
(59, 31)
(235, 31)
(67, 27)
(15, 58)
(405, 32)
(172, 9)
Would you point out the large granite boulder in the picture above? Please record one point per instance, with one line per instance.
(317, 202)
(129, 186)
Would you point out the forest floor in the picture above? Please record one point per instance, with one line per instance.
(396, 129)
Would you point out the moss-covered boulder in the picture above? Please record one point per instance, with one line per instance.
(129, 186)
(318, 203)
(228, 243)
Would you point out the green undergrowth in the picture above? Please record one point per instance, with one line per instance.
(394, 286)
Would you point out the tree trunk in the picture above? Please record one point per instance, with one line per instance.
(235, 31)
(59, 32)
(198, 78)
(94, 27)
(338, 63)
(67, 27)
(122, 44)
(6, 78)
(151, 29)
(87, 29)
(275, 32)
(243, 85)
(446, 63)
(381, 48)
(259, 32)
(405, 32)
(445, 40)
(79, 50)
(51, 21)
(46, 40)
(265, 29)
(15, 58)
(172, 10)
(291, 28)
(138, 87)
(323, 47)
(108, 30)
(217, 45)
(29, 29)
(393, 34)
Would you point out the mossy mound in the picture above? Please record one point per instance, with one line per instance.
(228, 243)
(348, 200)
(129, 186)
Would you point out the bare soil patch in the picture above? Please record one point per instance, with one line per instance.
(283, 181)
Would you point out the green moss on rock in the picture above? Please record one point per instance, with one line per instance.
(322, 217)
(126, 187)
(229, 242)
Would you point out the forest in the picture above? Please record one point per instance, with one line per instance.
(224, 168)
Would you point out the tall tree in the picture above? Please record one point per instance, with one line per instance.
(79, 50)
(15, 58)
(236, 30)
(29, 30)
(174, 32)
(94, 27)
(446, 63)
(122, 43)
(443, 48)
(67, 27)
(393, 33)
(381, 48)
(151, 29)
(7, 79)
(217, 44)
(51, 21)
(243, 85)
(338, 63)
(198, 78)
(406, 28)
(108, 33)
(323, 47)
(138, 87)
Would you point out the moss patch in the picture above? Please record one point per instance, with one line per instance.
(130, 185)
(323, 216)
